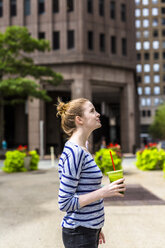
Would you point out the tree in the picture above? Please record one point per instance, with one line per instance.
(18, 71)
(157, 128)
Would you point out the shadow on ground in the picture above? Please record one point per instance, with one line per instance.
(135, 195)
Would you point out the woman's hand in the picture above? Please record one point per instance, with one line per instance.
(101, 238)
(114, 189)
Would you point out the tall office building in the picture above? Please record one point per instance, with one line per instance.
(150, 48)
(92, 45)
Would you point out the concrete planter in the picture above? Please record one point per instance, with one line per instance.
(27, 161)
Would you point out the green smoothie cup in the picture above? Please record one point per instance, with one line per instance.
(115, 175)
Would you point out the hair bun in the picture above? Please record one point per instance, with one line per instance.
(61, 108)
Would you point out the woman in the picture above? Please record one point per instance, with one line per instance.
(80, 193)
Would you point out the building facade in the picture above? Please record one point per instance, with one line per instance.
(150, 48)
(92, 46)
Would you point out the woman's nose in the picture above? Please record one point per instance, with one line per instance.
(98, 114)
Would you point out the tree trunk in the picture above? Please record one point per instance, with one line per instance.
(1, 120)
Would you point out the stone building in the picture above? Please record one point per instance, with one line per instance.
(150, 48)
(93, 48)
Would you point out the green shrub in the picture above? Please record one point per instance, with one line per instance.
(14, 161)
(34, 160)
(103, 160)
(150, 159)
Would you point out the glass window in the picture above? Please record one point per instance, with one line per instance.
(155, 44)
(137, 12)
(163, 55)
(1, 8)
(90, 40)
(138, 45)
(156, 56)
(138, 34)
(157, 90)
(143, 113)
(146, 34)
(163, 10)
(13, 7)
(112, 9)
(146, 79)
(140, 91)
(145, 2)
(163, 78)
(147, 90)
(124, 46)
(155, 11)
(163, 21)
(139, 78)
(70, 5)
(137, 2)
(163, 1)
(70, 39)
(163, 44)
(41, 6)
(163, 67)
(156, 79)
(113, 44)
(138, 56)
(145, 23)
(138, 23)
(145, 12)
(146, 56)
(146, 45)
(41, 35)
(143, 102)
(138, 68)
(27, 7)
(163, 32)
(155, 67)
(154, 1)
(55, 6)
(101, 7)
(102, 42)
(90, 6)
(146, 67)
(155, 33)
(155, 22)
(156, 101)
(148, 101)
(123, 12)
(56, 40)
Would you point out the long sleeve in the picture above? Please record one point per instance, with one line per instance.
(70, 166)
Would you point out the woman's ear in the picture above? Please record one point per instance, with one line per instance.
(78, 120)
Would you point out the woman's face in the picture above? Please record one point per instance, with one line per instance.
(90, 118)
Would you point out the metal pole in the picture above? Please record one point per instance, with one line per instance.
(52, 155)
(42, 139)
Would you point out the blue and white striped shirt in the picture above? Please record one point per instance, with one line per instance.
(79, 175)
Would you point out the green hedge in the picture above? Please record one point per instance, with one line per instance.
(151, 159)
(14, 161)
(103, 160)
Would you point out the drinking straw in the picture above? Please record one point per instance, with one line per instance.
(112, 161)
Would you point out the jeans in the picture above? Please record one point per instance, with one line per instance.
(80, 237)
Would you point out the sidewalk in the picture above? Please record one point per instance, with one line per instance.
(29, 215)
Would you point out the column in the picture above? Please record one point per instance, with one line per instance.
(81, 87)
(34, 124)
(127, 113)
